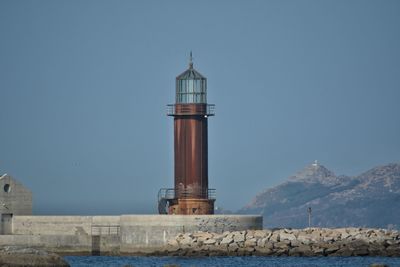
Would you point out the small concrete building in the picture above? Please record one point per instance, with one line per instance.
(15, 199)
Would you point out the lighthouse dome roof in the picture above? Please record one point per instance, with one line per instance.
(190, 73)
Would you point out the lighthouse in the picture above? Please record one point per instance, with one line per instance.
(191, 194)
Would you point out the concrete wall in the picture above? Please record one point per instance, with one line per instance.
(126, 234)
(62, 225)
(144, 232)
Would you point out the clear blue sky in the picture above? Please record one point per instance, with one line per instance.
(84, 87)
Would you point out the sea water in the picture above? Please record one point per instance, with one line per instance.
(231, 261)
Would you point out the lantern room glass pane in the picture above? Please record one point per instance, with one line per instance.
(191, 91)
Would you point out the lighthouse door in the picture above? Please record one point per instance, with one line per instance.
(6, 224)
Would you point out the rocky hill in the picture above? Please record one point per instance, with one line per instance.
(371, 199)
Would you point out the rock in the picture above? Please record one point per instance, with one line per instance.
(249, 234)
(282, 252)
(221, 248)
(360, 252)
(287, 236)
(328, 238)
(274, 237)
(393, 251)
(358, 245)
(233, 247)
(226, 241)
(303, 238)
(22, 256)
(250, 242)
(344, 235)
(210, 241)
(170, 249)
(318, 251)
(187, 236)
(261, 242)
(204, 235)
(263, 251)
(260, 233)
(268, 234)
(239, 237)
(301, 250)
(295, 243)
(218, 237)
(172, 243)
(331, 248)
(186, 241)
(281, 245)
(248, 250)
(376, 249)
(391, 242)
(269, 245)
(315, 236)
(342, 252)
(378, 265)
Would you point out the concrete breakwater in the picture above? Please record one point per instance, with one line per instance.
(115, 235)
(287, 242)
(191, 235)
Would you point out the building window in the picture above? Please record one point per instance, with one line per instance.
(7, 188)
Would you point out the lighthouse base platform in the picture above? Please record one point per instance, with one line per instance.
(191, 206)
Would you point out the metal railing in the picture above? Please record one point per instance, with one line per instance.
(186, 110)
(105, 230)
(171, 193)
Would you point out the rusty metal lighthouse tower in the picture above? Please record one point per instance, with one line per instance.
(190, 194)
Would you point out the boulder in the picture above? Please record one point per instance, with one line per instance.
(172, 243)
(360, 252)
(301, 250)
(304, 238)
(233, 247)
(250, 242)
(185, 241)
(209, 241)
(274, 237)
(317, 251)
(261, 242)
(263, 251)
(282, 245)
(226, 240)
(23, 256)
(393, 251)
(342, 252)
(331, 248)
(287, 236)
(239, 237)
(295, 243)
(203, 235)
(260, 233)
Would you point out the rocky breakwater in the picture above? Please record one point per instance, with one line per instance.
(13, 256)
(288, 242)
